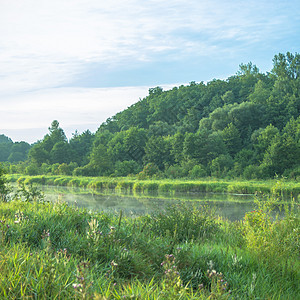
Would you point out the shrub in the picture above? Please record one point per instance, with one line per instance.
(221, 165)
(32, 169)
(149, 170)
(124, 168)
(269, 238)
(175, 171)
(198, 171)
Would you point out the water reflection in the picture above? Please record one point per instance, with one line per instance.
(232, 207)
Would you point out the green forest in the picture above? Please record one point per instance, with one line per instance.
(247, 126)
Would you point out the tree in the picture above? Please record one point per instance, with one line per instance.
(81, 146)
(203, 146)
(262, 139)
(15, 157)
(19, 152)
(177, 147)
(248, 75)
(5, 139)
(232, 139)
(157, 151)
(5, 149)
(124, 168)
(261, 93)
(134, 144)
(60, 153)
(247, 117)
(286, 65)
(281, 155)
(220, 165)
(100, 162)
(45, 151)
(38, 154)
(228, 97)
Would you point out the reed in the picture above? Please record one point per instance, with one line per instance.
(287, 189)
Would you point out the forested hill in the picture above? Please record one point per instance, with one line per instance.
(247, 125)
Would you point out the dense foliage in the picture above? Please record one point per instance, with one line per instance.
(245, 126)
(12, 152)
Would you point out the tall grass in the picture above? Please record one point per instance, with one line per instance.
(56, 251)
(287, 189)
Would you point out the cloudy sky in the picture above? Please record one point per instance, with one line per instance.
(81, 61)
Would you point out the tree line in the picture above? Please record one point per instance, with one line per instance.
(245, 126)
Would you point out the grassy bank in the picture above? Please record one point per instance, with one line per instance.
(286, 188)
(52, 250)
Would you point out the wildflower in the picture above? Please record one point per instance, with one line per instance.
(113, 264)
(77, 285)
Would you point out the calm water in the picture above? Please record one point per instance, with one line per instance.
(232, 207)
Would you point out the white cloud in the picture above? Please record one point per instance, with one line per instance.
(74, 108)
(48, 43)
(72, 105)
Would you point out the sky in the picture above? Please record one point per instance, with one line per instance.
(82, 61)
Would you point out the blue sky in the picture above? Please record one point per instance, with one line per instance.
(82, 61)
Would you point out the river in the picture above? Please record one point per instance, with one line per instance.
(229, 206)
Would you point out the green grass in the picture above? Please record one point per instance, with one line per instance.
(287, 189)
(56, 251)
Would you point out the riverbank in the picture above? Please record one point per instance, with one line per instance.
(287, 189)
(52, 250)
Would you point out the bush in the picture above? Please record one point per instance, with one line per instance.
(124, 168)
(149, 170)
(86, 171)
(251, 172)
(198, 171)
(269, 238)
(221, 165)
(32, 170)
(175, 171)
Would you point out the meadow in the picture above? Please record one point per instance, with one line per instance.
(56, 251)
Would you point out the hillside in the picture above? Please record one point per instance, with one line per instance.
(245, 126)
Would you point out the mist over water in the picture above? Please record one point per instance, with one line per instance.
(231, 206)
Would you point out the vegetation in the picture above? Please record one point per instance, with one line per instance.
(247, 126)
(13, 152)
(286, 188)
(56, 251)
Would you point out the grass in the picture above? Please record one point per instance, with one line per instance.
(287, 189)
(56, 251)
